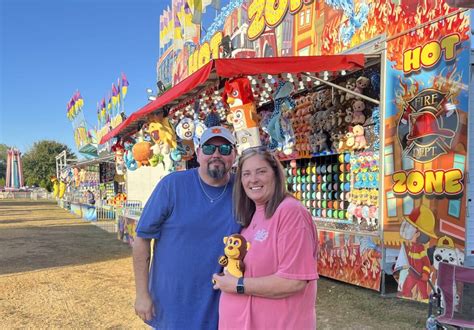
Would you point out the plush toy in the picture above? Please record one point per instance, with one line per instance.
(236, 247)
(185, 129)
(282, 100)
(321, 142)
(325, 98)
(335, 137)
(142, 151)
(119, 151)
(348, 115)
(351, 85)
(361, 84)
(55, 183)
(346, 143)
(359, 137)
(161, 131)
(358, 116)
(243, 115)
(130, 162)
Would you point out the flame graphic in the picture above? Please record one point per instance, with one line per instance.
(449, 82)
(387, 17)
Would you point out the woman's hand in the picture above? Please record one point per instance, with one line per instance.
(225, 282)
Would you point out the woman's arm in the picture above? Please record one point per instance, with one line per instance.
(272, 286)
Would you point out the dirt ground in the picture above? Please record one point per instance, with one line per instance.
(57, 271)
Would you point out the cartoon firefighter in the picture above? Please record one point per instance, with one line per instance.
(417, 229)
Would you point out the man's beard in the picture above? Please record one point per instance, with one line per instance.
(218, 172)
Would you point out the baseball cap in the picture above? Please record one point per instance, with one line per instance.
(215, 131)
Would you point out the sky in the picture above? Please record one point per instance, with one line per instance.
(51, 48)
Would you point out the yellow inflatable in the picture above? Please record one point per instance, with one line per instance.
(55, 182)
(62, 189)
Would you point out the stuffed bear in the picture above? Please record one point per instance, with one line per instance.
(358, 116)
(361, 84)
(359, 137)
(236, 247)
(321, 142)
(339, 116)
(348, 115)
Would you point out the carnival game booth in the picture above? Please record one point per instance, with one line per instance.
(322, 117)
(377, 158)
(91, 189)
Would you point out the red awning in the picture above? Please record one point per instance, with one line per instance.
(227, 68)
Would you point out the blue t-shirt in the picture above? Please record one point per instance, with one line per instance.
(189, 232)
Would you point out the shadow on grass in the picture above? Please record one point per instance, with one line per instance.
(345, 306)
(54, 242)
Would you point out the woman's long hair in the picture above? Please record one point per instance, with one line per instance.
(244, 207)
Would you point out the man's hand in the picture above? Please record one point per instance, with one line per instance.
(144, 307)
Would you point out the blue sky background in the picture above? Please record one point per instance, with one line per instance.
(50, 48)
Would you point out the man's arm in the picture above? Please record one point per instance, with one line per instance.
(141, 263)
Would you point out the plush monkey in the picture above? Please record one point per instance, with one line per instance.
(236, 247)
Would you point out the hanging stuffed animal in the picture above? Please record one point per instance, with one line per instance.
(281, 98)
(190, 130)
(119, 151)
(130, 162)
(185, 129)
(236, 247)
(161, 131)
(243, 114)
(142, 152)
(55, 183)
(62, 188)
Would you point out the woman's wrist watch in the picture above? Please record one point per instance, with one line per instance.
(240, 286)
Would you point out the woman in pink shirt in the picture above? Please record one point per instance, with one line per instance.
(278, 289)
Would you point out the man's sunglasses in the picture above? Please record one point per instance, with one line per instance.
(224, 149)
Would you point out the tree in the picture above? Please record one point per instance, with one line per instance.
(3, 162)
(39, 163)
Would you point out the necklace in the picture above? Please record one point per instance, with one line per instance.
(211, 199)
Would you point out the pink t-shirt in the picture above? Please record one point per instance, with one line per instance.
(286, 246)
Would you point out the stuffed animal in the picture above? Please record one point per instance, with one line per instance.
(142, 153)
(161, 131)
(346, 143)
(119, 151)
(361, 84)
(236, 247)
(55, 183)
(130, 162)
(359, 137)
(348, 115)
(282, 101)
(320, 140)
(185, 129)
(358, 116)
(351, 85)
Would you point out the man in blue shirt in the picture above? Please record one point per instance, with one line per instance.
(188, 214)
